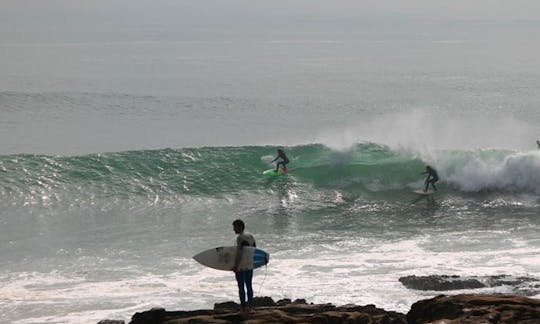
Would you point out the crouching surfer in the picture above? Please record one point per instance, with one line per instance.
(284, 160)
(432, 177)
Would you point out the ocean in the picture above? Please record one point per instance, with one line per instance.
(129, 145)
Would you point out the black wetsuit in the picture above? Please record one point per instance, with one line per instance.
(284, 160)
(431, 178)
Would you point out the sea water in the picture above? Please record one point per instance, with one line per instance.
(128, 147)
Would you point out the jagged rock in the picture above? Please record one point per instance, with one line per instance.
(257, 301)
(440, 283)
(524, 286)
(283, 302)
(226, 306)
(281, 312)
(263, 301)
(155, 315)
(471, 309)
(459, 309)
(299, 301)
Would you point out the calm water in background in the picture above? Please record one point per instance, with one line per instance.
(131, 137)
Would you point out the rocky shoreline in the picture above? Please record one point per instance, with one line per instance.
(516, 307)
(464, 308)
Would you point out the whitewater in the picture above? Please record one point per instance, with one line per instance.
(113, 233)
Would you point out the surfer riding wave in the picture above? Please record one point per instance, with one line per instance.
(284, 160)
(431, 178)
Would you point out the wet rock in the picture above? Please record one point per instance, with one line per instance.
(226, 306)
(263, 301)
(458, 309)
(284, 311)
(525, 286)
(440, 283)
(155, 315)
(476, 309)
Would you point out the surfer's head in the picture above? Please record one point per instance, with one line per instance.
(238, 226)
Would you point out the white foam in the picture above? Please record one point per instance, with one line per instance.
(519, 171)
(341, 271)
(424, 130)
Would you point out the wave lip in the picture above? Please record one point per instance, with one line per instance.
(491, 170)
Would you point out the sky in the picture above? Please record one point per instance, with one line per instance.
(69, 20)
(257, 55)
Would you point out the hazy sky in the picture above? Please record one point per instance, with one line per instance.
(54, 20)
(300, 57)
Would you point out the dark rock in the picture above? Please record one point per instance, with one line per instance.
(283, 302)
(459, 309)
(263, 301)
(299, 301)
(230, 305)
(440, 283)
(524, 286)
(476, 309)
(155, 315)
(108, 321)
(289, 312)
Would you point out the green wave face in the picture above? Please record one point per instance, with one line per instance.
(205, 171)
(210, 171)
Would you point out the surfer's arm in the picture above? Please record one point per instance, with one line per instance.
(240, 243)
(239, 251)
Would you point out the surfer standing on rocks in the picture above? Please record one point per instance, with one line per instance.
(244, 275)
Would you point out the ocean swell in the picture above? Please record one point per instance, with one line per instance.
(211, 171)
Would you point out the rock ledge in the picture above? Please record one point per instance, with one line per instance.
(465, 308)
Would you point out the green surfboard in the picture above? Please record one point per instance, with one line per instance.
(273, 173)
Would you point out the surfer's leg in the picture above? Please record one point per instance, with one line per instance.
(240, 279)
(278, 164)
(249, 286)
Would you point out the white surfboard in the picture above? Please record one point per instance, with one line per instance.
(274, 173)
(422, 192)
(223, 257)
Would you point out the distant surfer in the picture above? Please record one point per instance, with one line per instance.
(243, 275)
(284, 160)
(431, 178)
(538, 143)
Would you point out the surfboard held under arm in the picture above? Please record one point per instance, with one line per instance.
(223, 257)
